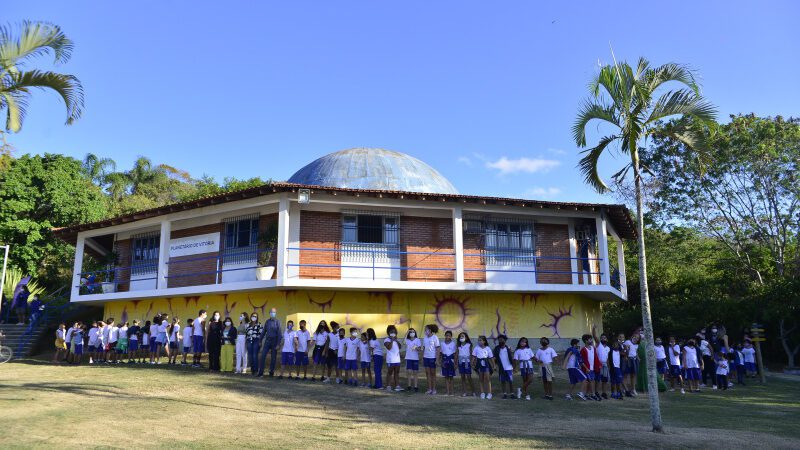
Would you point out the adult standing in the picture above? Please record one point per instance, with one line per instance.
(36, 308)
(214, 342)
(272, 339)
(241, 344)
(20, 304)
(255, 331)
(228, 344)
(198, 337)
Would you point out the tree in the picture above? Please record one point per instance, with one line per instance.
(97, 168)
(623, 98)
(18, 47)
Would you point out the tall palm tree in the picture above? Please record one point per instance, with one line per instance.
(623, 99)
(97, 168)
(117, 185)
(19, 46)
(142, 172)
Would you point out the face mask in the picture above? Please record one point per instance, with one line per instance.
(412, 335)
(254, 318)
(463, 339)
(523, 344)
(289, 327)
(228, 323)
(392, 334)
(272, 314)
(354, 334)
(427, 332)
(713, 330)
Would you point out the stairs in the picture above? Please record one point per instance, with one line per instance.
(15, 334)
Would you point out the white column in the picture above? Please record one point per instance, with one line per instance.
(458, 244)
(77, 268)
(573, 251)
(623, 282)
(602, 249)
(283, 238)
(163, 255)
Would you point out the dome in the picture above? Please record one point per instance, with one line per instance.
(373, 168)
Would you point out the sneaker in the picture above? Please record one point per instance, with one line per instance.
(433, 392)
(326, 381)
(489, 396)
(634, 393)
(683, 391)
(548, 397)
(483, 395)
(567, 397)
(605, 396)
(598, 398)
(582, 396)
(428, 392)
(519, 392)
(398, 389)
(702, 385)
(672, 389)
(464, 394)
(527, 397)
(714, 388)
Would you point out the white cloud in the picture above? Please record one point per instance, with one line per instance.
(529, 165)
(465, 160)
(541, 192)
(556, 151)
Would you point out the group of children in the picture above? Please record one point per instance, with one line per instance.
(337, 357)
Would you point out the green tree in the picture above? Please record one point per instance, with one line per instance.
(624, 99)
(21, 45)
(97, 168)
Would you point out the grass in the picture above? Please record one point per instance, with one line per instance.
(163, 406)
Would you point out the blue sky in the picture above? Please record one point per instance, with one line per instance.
(485, 92)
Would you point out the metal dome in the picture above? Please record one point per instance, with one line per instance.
(373, 168)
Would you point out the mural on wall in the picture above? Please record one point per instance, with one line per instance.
(492, 314)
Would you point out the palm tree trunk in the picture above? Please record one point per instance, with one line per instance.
(647, 320)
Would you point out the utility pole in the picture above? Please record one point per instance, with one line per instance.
(3, 277)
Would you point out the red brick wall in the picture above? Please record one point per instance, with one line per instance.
(320, 230)
(427, 234)
(553, 240)
(124, 260)
(205, 266)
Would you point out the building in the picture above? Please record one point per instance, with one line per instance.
(366, 237)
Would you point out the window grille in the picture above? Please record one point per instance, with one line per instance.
(241, 239)
(144, 253)
(508, 241)
(370, 234)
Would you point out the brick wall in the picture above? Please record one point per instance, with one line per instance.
(553, 240)
(124, 260)
(201, 270)
(320, 230)
(427, 234)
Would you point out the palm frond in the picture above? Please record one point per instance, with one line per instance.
(682, 102)
(671, 72)
(588, 164)
(35, 39)
(66, 86)
(16, 106)
(592, 111)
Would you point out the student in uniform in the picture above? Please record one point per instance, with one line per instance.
(661, 358)
(615, 371)
(175, 340)
(198, 337)
(122, 341)
(738, 364)
(100, 343)
(318, 355)
(722, 370)
(302, 339)
(341, 365)
(574, 366)
(287, 352)
(590, 367)
(61, 342)
(376, 348)
(693, 364)
(504, 360)
(331, 353)
(133, 341)
(603, 350)
(632, 365)
(365, 358)
(77, 343)
(187, 341)
(154, 338)
(163, 338)
(392, 346)
(749, 353)
(226, 353)
(431, 348)
(465, 364)
(412, 344)
(255, 332)
(523, 359)
(145, 342)
(92, 349)
(482, 360)
(241, 344)
(674, 359)
(111, 342)
(448, 361)
(351, 357)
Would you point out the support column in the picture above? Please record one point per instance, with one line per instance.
(602, 249)
(458, 243)
(77, 268)
(623, 282)
(283, 238)
(573, 251)
(163, 255)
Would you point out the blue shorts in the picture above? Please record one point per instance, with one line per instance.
(92, 348)
(199, 345)
(750, 367)
(133, 345)
(341, 364)
(465, 368)
(187, 349)
(173, 345)
(350, 364)
(287, 358)
(412, 364)
(153, 346)
(429, 362)
(317, 354)
(525, 371)
(616, 375)
(365, 364)
(77, 349)
(604, 374)
(693, 373)
(661, 366)
(483, 366)
(330, 358)
(392, 364)
(300, 358)
(674, 371)
(576, 375)
(632, 366)
(592, 375)
(506, 376)
(448, 366)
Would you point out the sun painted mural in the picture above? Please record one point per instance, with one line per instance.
(515, 315)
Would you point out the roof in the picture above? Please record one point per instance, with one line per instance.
(373, 168)
(618, 214)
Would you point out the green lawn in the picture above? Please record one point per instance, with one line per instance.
(163, 406)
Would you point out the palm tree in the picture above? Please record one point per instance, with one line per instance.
(19, 46)
(117, 185)
(141, 173)
(97, 168)
(623, 98)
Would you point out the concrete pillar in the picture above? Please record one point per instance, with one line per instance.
(163, 255)
(623, 282)
(283, 238)
(602, 249)
(77, 267)
(573, 251)
(458, 244)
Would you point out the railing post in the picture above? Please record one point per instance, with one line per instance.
(77, 267)
(163, 255)
(458, 243)
(373, 264)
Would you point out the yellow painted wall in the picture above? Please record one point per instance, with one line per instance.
(513, 314)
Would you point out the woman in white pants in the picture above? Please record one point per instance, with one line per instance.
(241, 344)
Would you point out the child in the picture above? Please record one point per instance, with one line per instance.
(590, 367)
(616, 375)
(187, 341)
(377, 357)
(722, 370)
(392, 347)
(122, 341)
(675, 365)
(163, 338)
(448, 361)
(351, 357)
(365, 357)
(545, 355)
(77, 343)
(341, 365)
(505, 366)
(632, 365)
(154, 338)
(302, 338)
(61, 342)
(430, 354)
(523, 357)
(465, 365)
(93, 341)
(145, 342)
(287, 352)
(318, 356)
(573, 365)
(693, 364)
(175, 338)
(198, 337)
(133, 341)
(749, 353)
(111, 341)
(740, 368)
(331, 352)
(603, 350)
(482, 360)
(412, 344)
(661, 358)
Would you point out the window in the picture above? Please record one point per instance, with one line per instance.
(241, 239)
(145, 253)
(509, 243)
(370, 229)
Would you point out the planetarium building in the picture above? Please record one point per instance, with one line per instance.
(366, 237)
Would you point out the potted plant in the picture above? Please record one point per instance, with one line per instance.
(108, 285)
(266, 247)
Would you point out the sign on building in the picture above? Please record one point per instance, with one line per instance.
(194, 245)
